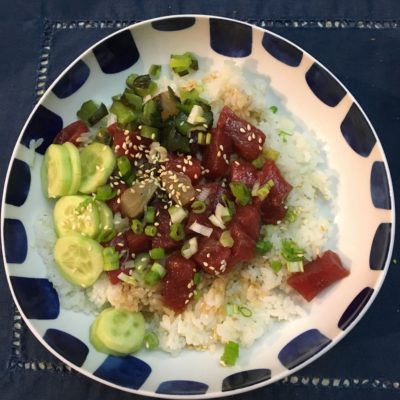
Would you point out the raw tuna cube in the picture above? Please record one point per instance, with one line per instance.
(178, 285)
(247, 140)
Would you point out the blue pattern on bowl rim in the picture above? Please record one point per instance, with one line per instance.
(142, 374)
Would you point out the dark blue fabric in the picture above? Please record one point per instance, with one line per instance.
(362, 51)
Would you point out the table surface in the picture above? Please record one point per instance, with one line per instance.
(359, 42)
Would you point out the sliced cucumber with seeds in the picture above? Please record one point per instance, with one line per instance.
(117, 332)
(76, 214)
(106, 221)
(56, 171)
(76, 171)
(98, 162)
(79, 259)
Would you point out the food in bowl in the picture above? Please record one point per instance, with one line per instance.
(188, 213)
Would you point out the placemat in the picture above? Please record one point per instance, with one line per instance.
(359, 43)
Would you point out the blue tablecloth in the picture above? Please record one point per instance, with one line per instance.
(358, 40)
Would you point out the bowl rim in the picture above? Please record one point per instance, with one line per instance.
(335, 340)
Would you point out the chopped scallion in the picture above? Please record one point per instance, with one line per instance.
(105, 192)
(291, 215)
(276, 265)
(177, 214)
(150, 214)
(198, 206)
(151, 341)
(241, 192)
(124, 114)
(124, 166)
(231, 353)
(245, 311)
(197, 277)
(226, 239)
(150, 230)
(263, 192)
(177, 232)
(274, 109)
(141, 261)
(137, 226)
(291, 251)
(263, 246)
(295, 266)
(157, 253)
(190, 248)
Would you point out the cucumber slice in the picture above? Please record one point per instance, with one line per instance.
(98, 162)
(56, 171)
(76, 214)
(79, 259)
(118, 332)
(76, 170)
(106, 218)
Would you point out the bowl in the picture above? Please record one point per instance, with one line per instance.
(305, 90)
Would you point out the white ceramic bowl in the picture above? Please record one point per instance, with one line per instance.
(365, 215)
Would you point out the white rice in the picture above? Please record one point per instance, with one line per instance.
(205, 322)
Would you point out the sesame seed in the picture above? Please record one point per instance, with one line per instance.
(248, 127)
(242, 130)
(219, 154)
(205, 264)
(260, 140)
(249, 138)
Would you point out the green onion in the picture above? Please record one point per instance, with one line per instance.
(141, 261)
(151, 341)
(229, 204)
(295, 266)
(271, 154)
(208, 138)
(157, 253)
(159, 269)
(276, 265)
(150, 214)
(201, 138)
(151, 278)
(105, 192)
(284, 135)
(190, 248)
(196, 115)
(155, 71)
(197, 278)
(258, 162)
(192, 95)
(198, 206)
(102, 136)
(131, 280)
(150, 230)
(181, 63)
(231, 309)
(197, 293)
(263, 246)
(291, 251)
(241, 192)
(149, 132)
(123, 113)
(291, 215)
(177, 232)
(264, 190)
(246, 312)
(110, 258)
(91, 112)
(154, 274)
(177, 214)
(130, 179)
(226, 239)
(137, 226)
(274, 109)
(231, 353)
(124, 166)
